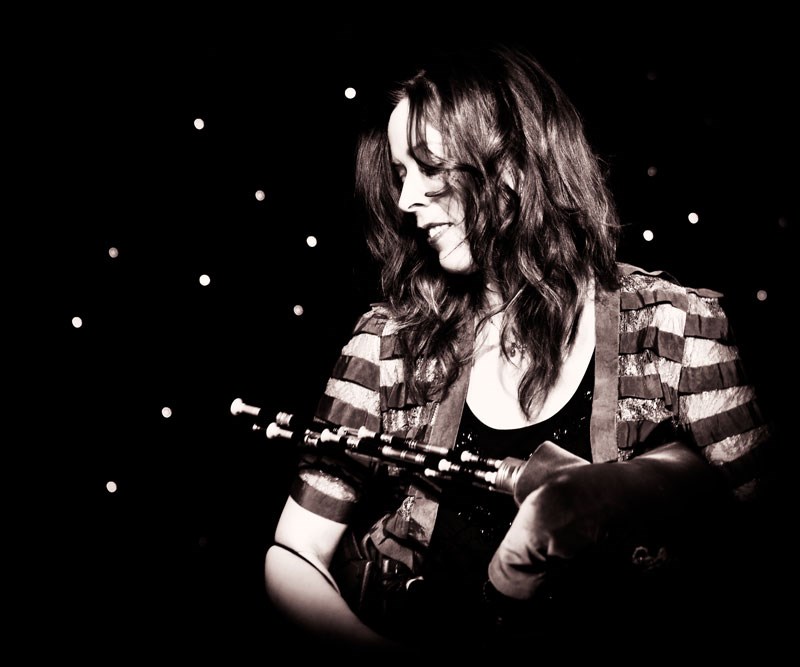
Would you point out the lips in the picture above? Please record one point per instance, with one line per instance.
(436, 231)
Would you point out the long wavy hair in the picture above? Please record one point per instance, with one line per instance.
(539, 216)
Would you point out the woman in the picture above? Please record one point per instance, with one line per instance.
(509, 329)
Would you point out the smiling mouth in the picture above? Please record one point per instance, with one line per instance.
(435, 231)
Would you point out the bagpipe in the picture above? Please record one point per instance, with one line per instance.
(615, 526)
(442, 463)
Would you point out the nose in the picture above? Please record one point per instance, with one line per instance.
(414, 196)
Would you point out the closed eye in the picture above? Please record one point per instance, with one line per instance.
(399, 171)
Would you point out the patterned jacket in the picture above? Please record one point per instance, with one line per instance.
(664, 356)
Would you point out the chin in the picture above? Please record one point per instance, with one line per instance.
(461, 269)
(458, 260)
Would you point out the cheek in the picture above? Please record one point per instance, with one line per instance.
(452, 209)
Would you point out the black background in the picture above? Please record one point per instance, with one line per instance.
(109, 157)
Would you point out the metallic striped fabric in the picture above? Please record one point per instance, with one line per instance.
(676, 364)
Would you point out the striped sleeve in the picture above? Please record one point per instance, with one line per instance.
(717, 404)
(652, 321)
(352, 392)
(331, 485)
(680, 368)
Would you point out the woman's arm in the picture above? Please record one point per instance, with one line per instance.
(300, 586)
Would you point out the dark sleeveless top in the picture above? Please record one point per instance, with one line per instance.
(471, 522)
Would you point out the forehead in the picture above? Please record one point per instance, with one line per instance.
(398, 131)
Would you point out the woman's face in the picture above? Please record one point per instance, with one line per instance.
(441, 216)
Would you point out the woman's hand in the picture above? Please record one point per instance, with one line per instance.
(583, 506)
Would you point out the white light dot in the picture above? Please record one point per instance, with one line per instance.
(77, 322)
(199, 123)
(166, 412)
(694, 218)
(648, 235)
(761, 295)
(205, 280)
(260, 195)
(311, 241)
(652, 171)
(113, 252)
(298, 310)
(111, 486)
(349, 92)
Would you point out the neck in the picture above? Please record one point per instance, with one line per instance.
(493, 297)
